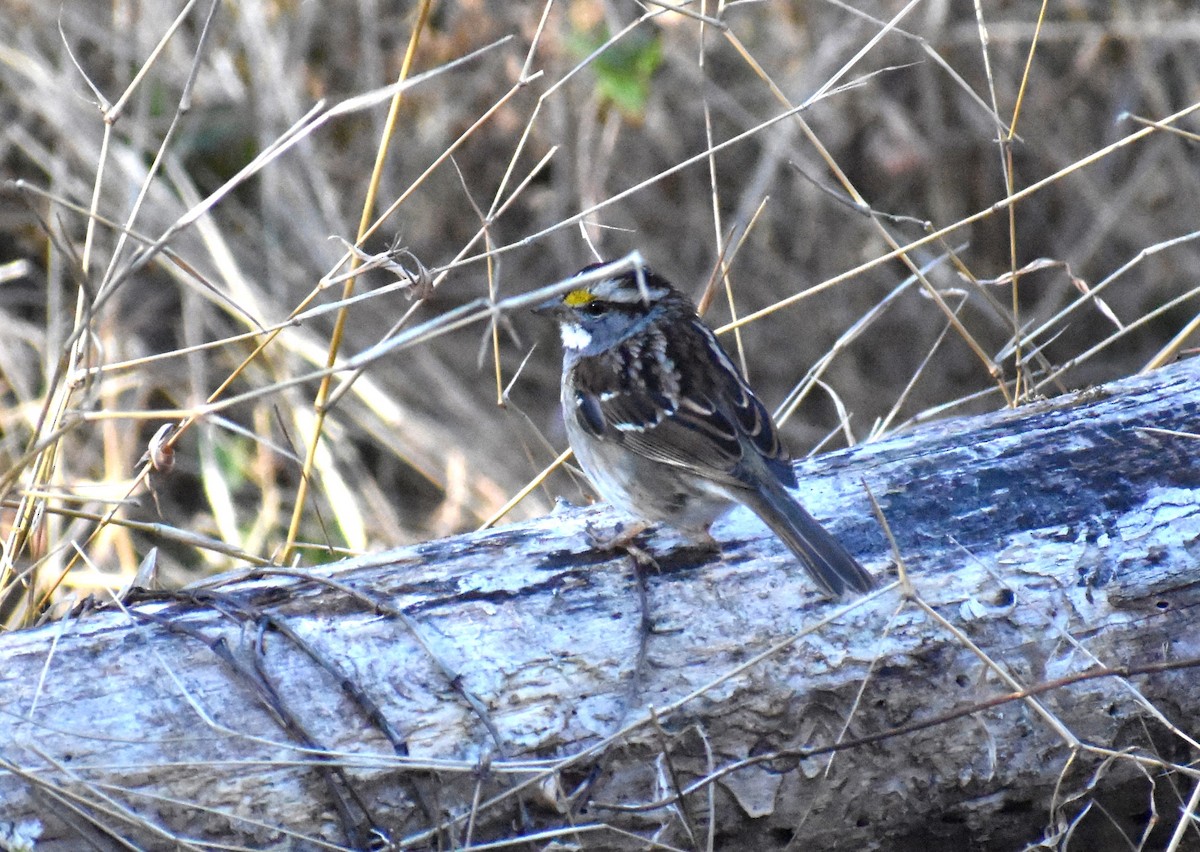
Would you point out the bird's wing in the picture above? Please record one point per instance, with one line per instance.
(707, 420)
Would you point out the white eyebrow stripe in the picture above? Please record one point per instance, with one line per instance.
(626, 292)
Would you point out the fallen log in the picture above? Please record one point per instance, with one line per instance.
(519, 685)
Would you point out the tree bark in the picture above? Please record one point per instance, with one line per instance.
(534, 686)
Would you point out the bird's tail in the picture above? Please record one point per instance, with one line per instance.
(829, 563)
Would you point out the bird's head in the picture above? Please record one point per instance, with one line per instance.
(602, 311)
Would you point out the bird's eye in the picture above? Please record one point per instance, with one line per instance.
(594, 309)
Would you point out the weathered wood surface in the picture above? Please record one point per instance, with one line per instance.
(1057, 537)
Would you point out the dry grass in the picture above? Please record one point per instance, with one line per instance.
(944, 212)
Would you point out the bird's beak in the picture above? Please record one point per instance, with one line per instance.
(550, 308)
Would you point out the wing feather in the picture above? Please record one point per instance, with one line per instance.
(707, 420)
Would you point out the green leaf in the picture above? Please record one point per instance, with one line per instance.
(623, 71)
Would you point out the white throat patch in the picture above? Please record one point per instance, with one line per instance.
(574, 336)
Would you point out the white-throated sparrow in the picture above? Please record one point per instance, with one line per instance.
(667, 429)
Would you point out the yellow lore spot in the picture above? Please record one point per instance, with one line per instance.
(577, 297)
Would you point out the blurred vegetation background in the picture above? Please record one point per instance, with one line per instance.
(183, 178)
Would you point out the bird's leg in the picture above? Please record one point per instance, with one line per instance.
(622, 538)
(703, 538)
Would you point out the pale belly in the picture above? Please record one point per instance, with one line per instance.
(649, 490)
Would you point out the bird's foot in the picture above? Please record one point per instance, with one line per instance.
(620, 537)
